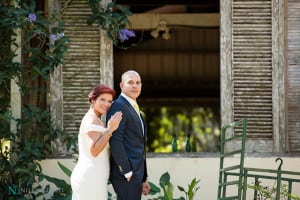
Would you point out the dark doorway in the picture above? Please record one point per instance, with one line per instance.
(180, 75)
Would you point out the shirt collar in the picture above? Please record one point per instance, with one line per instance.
(130, 100)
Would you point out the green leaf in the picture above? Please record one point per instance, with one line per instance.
(47, 189)
(154, 189)
(67, 171)
(164, 179)
(181, 188)
(60, 183)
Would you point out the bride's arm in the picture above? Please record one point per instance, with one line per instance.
(98, 141)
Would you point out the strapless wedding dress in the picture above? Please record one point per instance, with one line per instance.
(90, 175)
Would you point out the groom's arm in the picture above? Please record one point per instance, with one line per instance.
(118, 150)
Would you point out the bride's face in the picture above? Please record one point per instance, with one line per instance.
(102, 103)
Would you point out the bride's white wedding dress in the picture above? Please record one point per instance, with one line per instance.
(90, 175)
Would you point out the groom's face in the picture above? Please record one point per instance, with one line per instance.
(131, 85)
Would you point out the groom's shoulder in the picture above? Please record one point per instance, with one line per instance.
(119, 102)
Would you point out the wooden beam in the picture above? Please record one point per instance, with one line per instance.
(159, 2)
(150, 21)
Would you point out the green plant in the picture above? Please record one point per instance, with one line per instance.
(112, 18)
(167, 189)
(20, 165)
(192, 189)
(182, 130)
(269, 193)
(64, 189)
(31, 47)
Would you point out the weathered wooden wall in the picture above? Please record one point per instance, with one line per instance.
(293, 73)
(81, 70)
(252, 66)
(87, 62)
(252, 70)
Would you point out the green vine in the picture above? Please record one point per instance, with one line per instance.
(39, 44)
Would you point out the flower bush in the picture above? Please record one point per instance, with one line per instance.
(43, 53)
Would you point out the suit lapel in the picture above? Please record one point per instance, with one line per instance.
(138, 118)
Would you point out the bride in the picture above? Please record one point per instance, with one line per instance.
(90, 175)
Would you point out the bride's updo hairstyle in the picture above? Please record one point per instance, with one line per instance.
(100, 89)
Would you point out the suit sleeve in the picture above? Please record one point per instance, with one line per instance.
(118, 151)
(145, 172)
(145, 160)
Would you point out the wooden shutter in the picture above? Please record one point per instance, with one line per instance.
(252, 65)
(81, 70)
(293, 72)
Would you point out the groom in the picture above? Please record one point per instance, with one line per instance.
(128, 172)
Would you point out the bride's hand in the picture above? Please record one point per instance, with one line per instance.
(114, 121)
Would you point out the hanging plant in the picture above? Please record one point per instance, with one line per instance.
(112, 18)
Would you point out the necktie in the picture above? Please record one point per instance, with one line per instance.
(136, 107)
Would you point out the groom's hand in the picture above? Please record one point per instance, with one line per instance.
(146, 188)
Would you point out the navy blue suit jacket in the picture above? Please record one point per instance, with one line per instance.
(128, 142)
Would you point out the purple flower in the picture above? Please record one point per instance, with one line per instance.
(55, 37)
(32, 17)
(60, 35)
(125, 34)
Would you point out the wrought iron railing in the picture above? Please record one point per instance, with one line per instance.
(285, 182)
(282, 178)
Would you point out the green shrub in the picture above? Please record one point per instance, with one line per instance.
(166, 189)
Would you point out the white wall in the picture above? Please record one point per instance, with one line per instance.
(183, 170)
